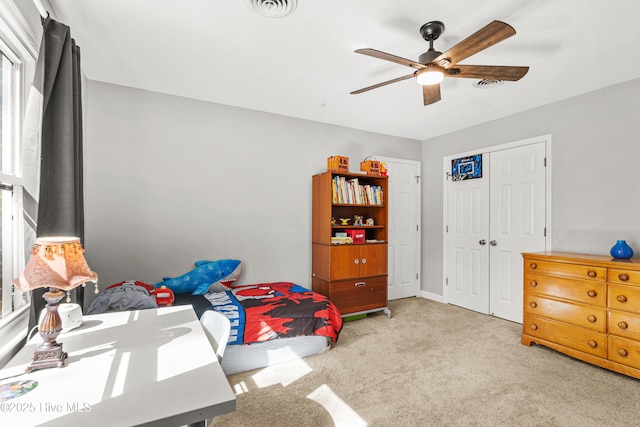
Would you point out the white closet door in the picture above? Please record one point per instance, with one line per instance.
(517, 223)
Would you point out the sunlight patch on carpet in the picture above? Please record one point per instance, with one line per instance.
(283, 373)
(341, 413)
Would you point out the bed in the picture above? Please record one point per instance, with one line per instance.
(271, 323)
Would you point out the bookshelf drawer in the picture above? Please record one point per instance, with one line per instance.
(361, 294)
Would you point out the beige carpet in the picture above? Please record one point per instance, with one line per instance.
(433, 364)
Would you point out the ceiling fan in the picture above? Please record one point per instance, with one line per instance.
(432, 66)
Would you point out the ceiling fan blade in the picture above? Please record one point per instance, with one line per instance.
(388, 82)
(431, 93)
(487, 72)
(388, 57)
(491, 34)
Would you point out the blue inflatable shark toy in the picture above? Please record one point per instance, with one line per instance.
(207, 276)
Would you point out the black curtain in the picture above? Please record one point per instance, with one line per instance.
(61, 202)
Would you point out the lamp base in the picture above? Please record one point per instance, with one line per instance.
(49, 354)
(48, 358)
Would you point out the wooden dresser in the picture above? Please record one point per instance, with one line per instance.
(585, 306)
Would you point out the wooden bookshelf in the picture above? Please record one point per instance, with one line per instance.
(353, 276)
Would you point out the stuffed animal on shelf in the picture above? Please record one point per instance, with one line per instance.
(207, 276)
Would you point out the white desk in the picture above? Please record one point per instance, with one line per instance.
(148, 367)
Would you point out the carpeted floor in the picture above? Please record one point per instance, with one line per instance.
(433, 364)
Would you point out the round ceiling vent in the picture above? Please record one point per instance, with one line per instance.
(486, 84)
(272, 8)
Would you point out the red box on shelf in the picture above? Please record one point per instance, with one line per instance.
(356, 234)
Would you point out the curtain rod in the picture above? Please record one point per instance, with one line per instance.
(41, 8)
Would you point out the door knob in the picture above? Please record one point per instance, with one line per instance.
(493, 243)
(482, 242)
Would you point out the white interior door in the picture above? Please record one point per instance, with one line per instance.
(468, 251)
(517, 223)
(490, 221)
(403, 231)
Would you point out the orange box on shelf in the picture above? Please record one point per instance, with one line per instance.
(371, 167)
(356, 234)
(338, 164)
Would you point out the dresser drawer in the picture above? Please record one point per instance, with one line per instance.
(624, 324)
(575, 271)
(624, 351)
(359, 294)
(627, 277)
(577, 314)
(586, 291)
(580, 339)
(623, 297)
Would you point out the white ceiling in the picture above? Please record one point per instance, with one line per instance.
(302, 65)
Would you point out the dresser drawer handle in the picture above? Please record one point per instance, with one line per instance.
(533, 283)
(591, 273)
(591, 318)
(534, 326)
(621, 298)
(592, 344)
(533, 304)
(623, 277)
(533, 265)
(360, 284)
(623, 325)
(622, 352)
(592, 293)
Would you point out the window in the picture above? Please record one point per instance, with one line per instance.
(11, 241)
(18, 51)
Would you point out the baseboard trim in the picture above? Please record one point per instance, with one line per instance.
(431, 296)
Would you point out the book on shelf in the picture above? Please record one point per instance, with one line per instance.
(350, 191)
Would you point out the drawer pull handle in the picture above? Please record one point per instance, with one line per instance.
(533, 265)
(592, 344)
(533, 304)
(622, 352)
(534, 326)
(623, 277)
(359, 284)
(621, 298)
(623, 325)
(592, 293)
(591, 318)
(591, 273)
(533, 283)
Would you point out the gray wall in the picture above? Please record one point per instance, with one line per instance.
(172, 180)
(595, 169)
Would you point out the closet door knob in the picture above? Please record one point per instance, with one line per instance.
(482, 242)
(493, 243)
(356, 261)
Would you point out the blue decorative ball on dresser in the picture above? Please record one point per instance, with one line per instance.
(621, 250)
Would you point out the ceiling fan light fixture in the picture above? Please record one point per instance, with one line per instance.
(429, 76)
